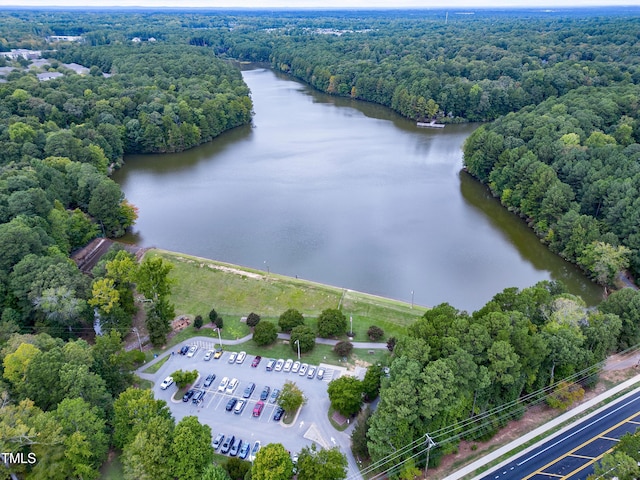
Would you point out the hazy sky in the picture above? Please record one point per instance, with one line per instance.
(323, 3)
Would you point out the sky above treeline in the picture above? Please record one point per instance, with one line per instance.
(323, 4)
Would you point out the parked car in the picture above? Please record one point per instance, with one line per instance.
(218, 353)
(187, 396)
(240, 404)
(303, 369)
(223, 384)
(233, 451)
(217, 442)
(287, 365)
(254, 451)
(278, 414)
(274, 395)
(166, 383)
(232, 385)
(256, 361)
(241, 356)
(231, 403)
(311, 372)
(257, 410)
(198, 397)
(265, 393)
(232, 357)
(279, 365)
(184, 350)
(244, 450)
(249, 390)
(227, 444)
(208, 355)
(270, 364)
(209, 380)
(295, 367)
(192, 351)
(320, 374)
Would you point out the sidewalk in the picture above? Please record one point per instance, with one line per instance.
(471, 468)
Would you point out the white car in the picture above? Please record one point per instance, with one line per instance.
(192, 351)
(279, 365)
(254, 451)
(166, 383)
(312, 372)
(241, 356)
(232, 385)
(287, 365)
(223, 384)
(320, 374)
(303, 369)
(208, 355)
(232, 357)
(295, 367)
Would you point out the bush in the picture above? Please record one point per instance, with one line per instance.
(213, 315)
(375, 333)
(197, 322)
(306, 336)
(290, 320)
(343, 349)
(253, 319)
(219, 322)
(391, 344)
(331, 323)
(183, 378)
(265, 333)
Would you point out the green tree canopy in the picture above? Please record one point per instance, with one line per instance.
(331, 323)
(272, 462)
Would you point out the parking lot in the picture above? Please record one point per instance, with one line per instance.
(311, 424)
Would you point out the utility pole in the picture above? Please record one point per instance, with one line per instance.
(297, 342)
(430, 444)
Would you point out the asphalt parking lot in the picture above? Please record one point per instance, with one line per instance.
(311, 424)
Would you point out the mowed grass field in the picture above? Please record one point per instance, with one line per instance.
(234, 291)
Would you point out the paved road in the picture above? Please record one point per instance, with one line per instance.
(572, 454)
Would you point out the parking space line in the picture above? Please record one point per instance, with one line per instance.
(610, 439)
(580, 456)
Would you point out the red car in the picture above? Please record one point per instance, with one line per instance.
(257, 410)
(256, 361)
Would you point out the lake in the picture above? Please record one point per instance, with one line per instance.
(345, 193)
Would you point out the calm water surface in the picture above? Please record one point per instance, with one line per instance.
(341, 192)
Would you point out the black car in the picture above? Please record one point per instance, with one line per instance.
(187, 396)
(184, 350)
(227, 444)
(233, 451)
(278, 415)
(265, 393)
(218, 441)
(198, 397)
(249, 390)
(209, 380)
(230, 404)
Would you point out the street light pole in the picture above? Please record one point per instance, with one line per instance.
(219, 337)
(412, 299)
(297, 342)
(351, 325)
(135, 330)
(267, 265)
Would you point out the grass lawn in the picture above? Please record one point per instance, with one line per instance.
(156, 366)
(235, 291)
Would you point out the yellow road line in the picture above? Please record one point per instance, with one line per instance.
(592, 439)
(588, 463)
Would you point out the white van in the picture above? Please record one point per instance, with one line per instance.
(223, 384)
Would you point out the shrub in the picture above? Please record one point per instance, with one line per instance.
(331, 323)
(290, 320)
(213, 315)
(219, 322)
(343, 349)
(391, 343)
(197, 322)
(253, 319)
(265, 333)
(375, 333)
(306, 336)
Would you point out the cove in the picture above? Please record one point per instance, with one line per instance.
(345, 193)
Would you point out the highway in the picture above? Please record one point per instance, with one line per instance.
(572, 454)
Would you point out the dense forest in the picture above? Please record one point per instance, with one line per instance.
(562, 152)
